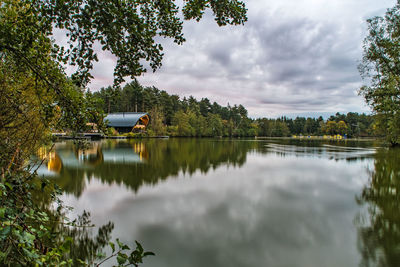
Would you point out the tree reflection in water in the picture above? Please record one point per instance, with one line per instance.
(134, 163)
(86, 242)
(379, 235)
(147, 162)
(85, 245)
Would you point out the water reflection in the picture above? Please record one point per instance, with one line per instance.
(247, 202)
(69, 155)
(334, 152)
(379, 227)
(134, 163)
(87, 243)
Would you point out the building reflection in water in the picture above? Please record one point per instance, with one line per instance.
(64, 156)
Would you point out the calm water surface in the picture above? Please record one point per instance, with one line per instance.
(204, 202)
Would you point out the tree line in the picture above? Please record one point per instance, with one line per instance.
(189, 117)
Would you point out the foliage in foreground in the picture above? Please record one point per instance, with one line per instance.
(380, 68)
(34, 232)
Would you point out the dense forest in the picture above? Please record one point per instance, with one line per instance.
(171, 115)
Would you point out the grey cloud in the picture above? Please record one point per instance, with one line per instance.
(299, 102)
(296, 51)
(296, 59)
(221, 54)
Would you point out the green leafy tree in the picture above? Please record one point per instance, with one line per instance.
(311, 126)
(253, 129)
(381, 68)
(156, 122)
(279, 129)
(197, 123)
(37, 96)
(264, 127)
(342, 127)
(181, 121)
(128, 29)
(299, 125)
(331, 127)
(214, 125)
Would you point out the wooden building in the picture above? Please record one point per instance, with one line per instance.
(127, 121)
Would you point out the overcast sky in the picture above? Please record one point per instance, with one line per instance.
(292, 57)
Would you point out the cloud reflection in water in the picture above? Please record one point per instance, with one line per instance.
(296, 210)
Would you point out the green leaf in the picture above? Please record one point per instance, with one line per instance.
(29, 237)
(31, 254)
(5, 231)
(139, 246)
(112, 245)
(66, 244)
(149, 253)
(2, 212)
(122, 258)
(119, 243)
(81, 262)
(8, 185)
(101, 255)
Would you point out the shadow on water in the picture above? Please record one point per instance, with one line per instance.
(379, 226)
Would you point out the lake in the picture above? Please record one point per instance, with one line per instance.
(243, 202)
